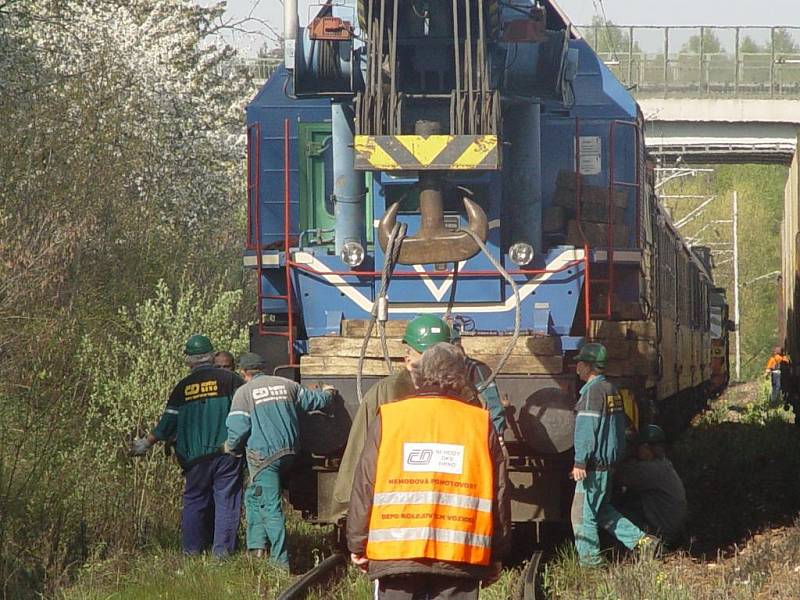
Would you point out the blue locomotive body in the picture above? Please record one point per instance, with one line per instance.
(603, 117)
(558, 172)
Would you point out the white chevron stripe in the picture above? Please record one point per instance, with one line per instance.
(558, 263)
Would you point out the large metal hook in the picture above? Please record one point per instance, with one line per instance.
(434, 243)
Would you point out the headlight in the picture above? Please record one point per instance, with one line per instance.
(352, 254)
(521, 253)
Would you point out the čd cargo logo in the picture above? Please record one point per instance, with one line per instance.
(204, 389)
(420, 457)
(433, 458)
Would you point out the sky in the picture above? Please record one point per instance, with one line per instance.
(267, 14)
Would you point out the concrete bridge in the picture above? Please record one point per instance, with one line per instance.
(722, 130)
(710, 94)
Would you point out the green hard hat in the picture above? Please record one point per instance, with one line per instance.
(593, 353)
(250, 361)
(652, 434)
(198, 344)
(424, 331)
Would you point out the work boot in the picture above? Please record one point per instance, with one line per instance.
(648, 547)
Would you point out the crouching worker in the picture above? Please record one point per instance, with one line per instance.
(654, 496)
(195, 417)
(429, 511)
(264, 415)
(600, 426)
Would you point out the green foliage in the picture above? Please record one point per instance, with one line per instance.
(710, 43)
(566, 579)
(608, 38)
(782, 39)
(785, 42)
(145, 360)
(750, 46)
(73, 493)
(121, 167)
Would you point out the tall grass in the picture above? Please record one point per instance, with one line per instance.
(740, 473)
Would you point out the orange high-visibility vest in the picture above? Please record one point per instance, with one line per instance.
(434, 483)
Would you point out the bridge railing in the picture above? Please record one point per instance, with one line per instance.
(691, 61)
(259, 68)
(701, 61)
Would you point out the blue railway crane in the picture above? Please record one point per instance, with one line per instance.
(495, 136)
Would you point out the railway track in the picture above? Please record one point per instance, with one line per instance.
(303, 584)
(527, 587)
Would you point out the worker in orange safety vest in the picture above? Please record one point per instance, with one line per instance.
(773, 372)
(429, 510)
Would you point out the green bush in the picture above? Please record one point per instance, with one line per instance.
(69, 490)
(131, 375)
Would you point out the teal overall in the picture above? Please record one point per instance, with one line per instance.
(265, 519)
(264, 417)
(599, 444)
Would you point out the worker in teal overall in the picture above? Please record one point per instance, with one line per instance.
(477, 373)
(600, 424)
(264, 415)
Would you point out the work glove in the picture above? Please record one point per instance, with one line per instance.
(139, 446)
(232, 451)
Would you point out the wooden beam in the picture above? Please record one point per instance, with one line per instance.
(337, 365)
(477, 346)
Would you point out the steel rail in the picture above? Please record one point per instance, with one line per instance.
(300, 588)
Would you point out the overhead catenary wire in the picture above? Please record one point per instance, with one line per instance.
(611, 43)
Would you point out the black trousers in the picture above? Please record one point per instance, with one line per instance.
(426, 587)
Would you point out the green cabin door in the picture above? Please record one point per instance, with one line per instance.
(316, 182)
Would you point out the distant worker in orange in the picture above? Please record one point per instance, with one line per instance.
(773, 371)
(430, 508)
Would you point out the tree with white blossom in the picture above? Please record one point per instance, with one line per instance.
(121, 165)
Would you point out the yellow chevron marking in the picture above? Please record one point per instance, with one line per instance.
(476, 152)
(425, 149)
(368, 148)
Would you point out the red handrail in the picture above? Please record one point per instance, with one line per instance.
(473, 273)
(287, 297)
(612, 185)
(260, 296)
(587, 316)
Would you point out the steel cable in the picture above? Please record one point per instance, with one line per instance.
(452, 299)
(390, 261)
(517, 312)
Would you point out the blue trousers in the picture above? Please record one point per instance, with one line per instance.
(265, 521)
(591, 507)
(775, 396)
(212, 502)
